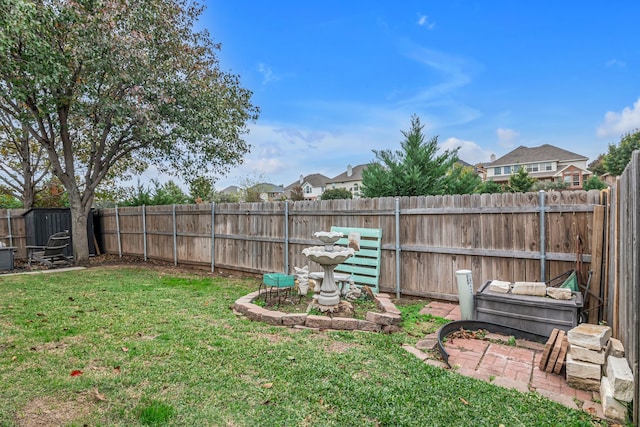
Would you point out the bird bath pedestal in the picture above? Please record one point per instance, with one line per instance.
(328, 256)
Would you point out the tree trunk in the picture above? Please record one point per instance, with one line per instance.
(79, 214)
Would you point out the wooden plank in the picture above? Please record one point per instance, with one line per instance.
(547, 349)
(553, 357)
(597, 241)
(562, 356)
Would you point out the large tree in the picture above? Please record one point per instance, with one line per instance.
(106, 87)
(419, 169)
(23, 162)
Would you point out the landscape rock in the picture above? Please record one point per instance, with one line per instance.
(538, 289)
(499, 286)
(559, 293)
(593, 337)
(587, 355)
(583, 383)
(620, 378)
(613, 409)
(615, 348)
(585, 370)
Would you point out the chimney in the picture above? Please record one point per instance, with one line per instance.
(493, 158)
(301, 179)
(349, 170)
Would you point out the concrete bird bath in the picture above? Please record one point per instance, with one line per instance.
(328, 256)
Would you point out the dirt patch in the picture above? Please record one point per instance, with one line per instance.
(341, 347)
(50, 411)
(58, 347)
(273, 338)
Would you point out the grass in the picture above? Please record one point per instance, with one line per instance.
(134, 347)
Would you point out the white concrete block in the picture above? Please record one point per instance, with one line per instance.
(538, 289)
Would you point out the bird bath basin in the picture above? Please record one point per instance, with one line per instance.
(328, 256)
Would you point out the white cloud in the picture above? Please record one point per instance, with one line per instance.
(469, 151)
(616, 124)
(507, 137)
(615, 63)
(267, 74)
(423, 21)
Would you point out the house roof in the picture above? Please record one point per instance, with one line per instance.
(546, 152)
(266, 187)
(356, 174)
(232, 189)
(315, 179)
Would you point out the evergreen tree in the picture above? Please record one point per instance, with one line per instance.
(416, 170)
(521, 182)
(489, 187)
(463, 180)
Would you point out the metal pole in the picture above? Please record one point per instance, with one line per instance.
(144, 230)
(213, 235)
(9, 227)
(175, 237)
(118, 233)
(398, 248)
(543, 257)
(286, 237)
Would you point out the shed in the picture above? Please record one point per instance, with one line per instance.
(40, 223)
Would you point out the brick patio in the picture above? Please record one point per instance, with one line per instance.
(510, 366)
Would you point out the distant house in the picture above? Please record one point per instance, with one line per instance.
(351, 180)
(312, 186)
(545, 163)
(232, 189)
(268, 192)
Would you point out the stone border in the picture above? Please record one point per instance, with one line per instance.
(388, 321)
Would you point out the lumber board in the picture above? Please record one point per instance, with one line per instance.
(547, 349)
(562, 356)
(557, 346)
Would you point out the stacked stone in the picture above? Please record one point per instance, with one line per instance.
(592, 353)
(586, 356)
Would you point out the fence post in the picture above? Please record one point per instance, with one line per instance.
(286, 237)
(9, 227)
(398, 247)
(118, 233)
(213, 235)
(175, 237)
(144, 231)
(543, 256)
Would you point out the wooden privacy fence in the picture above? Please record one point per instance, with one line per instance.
(426, 240)
(623, 291)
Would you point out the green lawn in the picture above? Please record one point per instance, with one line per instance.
(127, 347)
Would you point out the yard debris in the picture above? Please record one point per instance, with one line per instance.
(98, 395)
(465, 334)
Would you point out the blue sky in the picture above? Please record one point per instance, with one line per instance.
(338, 79)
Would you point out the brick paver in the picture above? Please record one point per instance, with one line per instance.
(509, 366)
